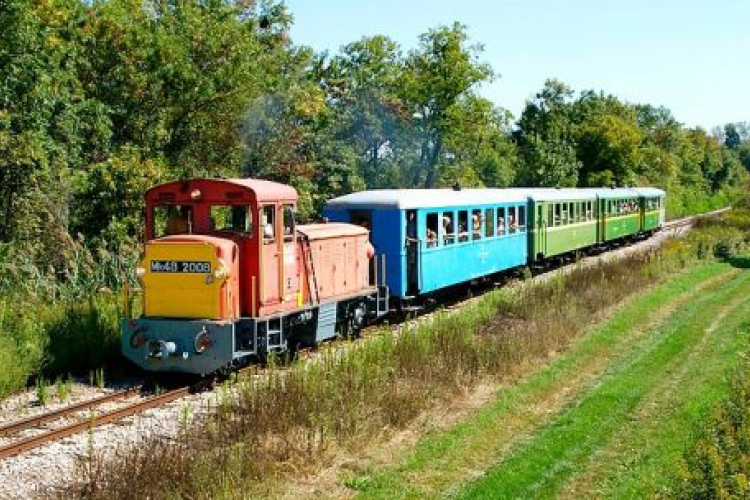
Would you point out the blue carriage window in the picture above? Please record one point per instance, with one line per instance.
(431, 233)
(512, 220)
(476, 224)
(501, 221)
(489, 221)
(449, 236)
(521, 219)
(463, 226)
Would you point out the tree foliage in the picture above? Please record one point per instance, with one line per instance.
(99, 100)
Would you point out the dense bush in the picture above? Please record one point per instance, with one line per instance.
(718, 464)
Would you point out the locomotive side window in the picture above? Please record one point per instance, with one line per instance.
(268, 222)
(232, 219)
(288, 222)
(172, 219)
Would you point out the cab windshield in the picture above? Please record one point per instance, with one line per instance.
(232, 219)
(172, 219)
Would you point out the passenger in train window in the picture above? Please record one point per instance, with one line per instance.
(501, 221)
(512, 222)
(463, 224)
(476, 224)
(432, 240)
(432, 230)
(448, 236)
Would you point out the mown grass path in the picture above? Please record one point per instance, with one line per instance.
(605, 418)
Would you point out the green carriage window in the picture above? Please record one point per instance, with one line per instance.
(550, 216)
(489, 221)
(558, 214)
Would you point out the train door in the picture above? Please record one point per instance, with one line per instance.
(641, 213)
(290, 275)
(363, 218)
(541, 230)
(412, 251)
(271, 256)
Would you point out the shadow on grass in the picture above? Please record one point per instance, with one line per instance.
(741, 262)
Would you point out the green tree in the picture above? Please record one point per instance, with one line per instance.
(439, 75)
(546, 139)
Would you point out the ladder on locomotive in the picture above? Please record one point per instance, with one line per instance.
(307, 257)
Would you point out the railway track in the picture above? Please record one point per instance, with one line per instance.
(29, 443)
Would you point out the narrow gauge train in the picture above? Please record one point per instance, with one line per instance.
(227, 275)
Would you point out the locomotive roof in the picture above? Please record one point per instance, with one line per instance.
(263, 190)
(404, 199)
(330, 230)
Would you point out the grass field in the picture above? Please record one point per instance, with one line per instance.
(606, 419)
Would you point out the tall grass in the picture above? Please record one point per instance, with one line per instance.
(56, 322)
(293, 418)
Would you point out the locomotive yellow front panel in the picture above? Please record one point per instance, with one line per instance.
(183, 280)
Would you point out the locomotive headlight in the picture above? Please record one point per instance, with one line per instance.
(140, 272)
(221, 270)
(202, 341)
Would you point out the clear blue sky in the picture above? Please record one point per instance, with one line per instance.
(692, 56)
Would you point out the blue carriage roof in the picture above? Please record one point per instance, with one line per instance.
(405, 199)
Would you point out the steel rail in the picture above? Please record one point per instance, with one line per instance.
(15, 427)
(56, 434)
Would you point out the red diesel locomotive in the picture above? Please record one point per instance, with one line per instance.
(228, 275)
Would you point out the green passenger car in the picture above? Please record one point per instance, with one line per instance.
(652, 208)
(563, 221)
(620, 213)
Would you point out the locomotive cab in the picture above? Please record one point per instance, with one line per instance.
(255, 221)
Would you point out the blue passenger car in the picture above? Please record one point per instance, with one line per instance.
(430, 239)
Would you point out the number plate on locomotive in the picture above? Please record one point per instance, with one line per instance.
(180, 266)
